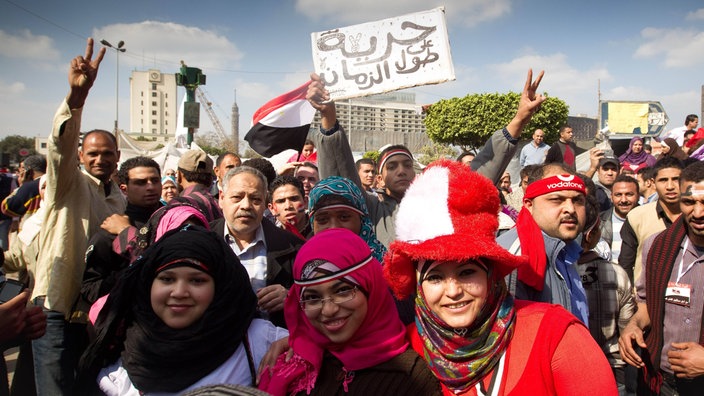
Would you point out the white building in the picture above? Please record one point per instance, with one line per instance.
(377, 120)
(153, 105)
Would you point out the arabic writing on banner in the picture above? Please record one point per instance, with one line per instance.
(383, 56)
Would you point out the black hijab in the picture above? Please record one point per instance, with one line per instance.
(158, 358)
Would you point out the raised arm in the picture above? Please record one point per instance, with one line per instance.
(334, 153)
(528, 104)
(82, 74)
(492, 160)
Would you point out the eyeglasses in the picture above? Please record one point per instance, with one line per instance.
(339, 297)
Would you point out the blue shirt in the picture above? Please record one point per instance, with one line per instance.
(531, 155)
(566, 264)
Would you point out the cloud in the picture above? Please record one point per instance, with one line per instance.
(676, 47)
(10, 89)
(464, 12)
(577, 87)
(164, 45)
(28, 46)
(697, 15)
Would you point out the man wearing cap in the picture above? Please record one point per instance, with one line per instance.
(195, 176)
(552, 217)
(668, 323)
(396, 162)
(606, 174)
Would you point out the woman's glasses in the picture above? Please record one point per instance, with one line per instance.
(339, 297)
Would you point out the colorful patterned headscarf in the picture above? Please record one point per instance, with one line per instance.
(345, 188)
(462, 357)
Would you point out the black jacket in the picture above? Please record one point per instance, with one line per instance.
(282, 247)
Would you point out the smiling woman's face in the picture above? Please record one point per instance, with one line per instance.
(455, 292)
(337, 321)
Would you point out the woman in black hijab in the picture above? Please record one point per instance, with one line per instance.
(181, 317)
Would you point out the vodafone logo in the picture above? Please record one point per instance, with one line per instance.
(565, 185)
(567, 182)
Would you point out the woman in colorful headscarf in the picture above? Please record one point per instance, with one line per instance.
(169, 325)
(346, 336)
(475, 337)
(635, 157)
(670, 148)
(336, 202)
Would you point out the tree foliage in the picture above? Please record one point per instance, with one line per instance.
(468, 122)
(435, 152)
(373, 154)
(14, 143)
(213, 144)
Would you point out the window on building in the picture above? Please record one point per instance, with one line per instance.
(154, 94)
(154, 103)
(153, 112)
(154, 130)
(43, 145)
(153, 122)
(153, 86)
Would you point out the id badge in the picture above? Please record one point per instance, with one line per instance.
(678, 293)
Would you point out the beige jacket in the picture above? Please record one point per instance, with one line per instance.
(76, 205)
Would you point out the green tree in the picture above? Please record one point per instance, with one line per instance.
(435, 152)
(373, 154)
(468, 122)
(14, 143)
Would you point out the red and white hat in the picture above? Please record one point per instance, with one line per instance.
(449, 213)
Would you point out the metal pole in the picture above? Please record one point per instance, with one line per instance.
(117, 91)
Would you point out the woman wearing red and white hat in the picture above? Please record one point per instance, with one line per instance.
(475, 337)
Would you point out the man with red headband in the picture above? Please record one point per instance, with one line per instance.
(396, 162)
(552, 217)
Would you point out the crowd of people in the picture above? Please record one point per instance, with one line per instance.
(331, 276)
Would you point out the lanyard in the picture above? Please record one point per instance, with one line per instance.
(495, 383)
(680, 273)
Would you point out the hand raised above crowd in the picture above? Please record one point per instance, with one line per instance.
(528, 104)
(81, 75)
(319, 98)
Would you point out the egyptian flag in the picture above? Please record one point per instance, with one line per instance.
(282, 123)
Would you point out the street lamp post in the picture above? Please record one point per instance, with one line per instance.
(119, 48)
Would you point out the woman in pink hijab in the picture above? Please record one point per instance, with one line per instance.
(345, 331)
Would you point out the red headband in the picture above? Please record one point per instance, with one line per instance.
(555, 183)
(391, 153)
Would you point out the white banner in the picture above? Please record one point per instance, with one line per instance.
(382, 56)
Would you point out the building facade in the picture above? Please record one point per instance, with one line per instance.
(153, 105)
(375, 121)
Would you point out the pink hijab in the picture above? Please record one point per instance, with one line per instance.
(381, 336)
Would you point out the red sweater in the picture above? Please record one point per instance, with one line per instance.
(551, 353)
